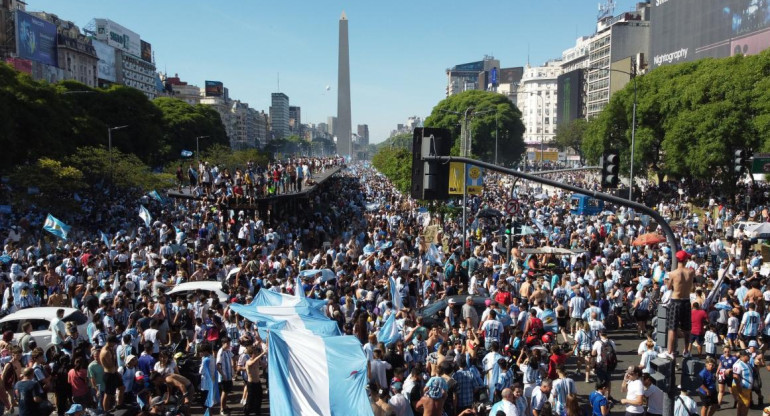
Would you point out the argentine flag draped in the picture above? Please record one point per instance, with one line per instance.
(145, 215)
(395, 297)
(316, 375)
(299, 290)
(54, 226)
(389, 333)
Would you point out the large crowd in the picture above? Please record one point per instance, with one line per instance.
(522, 323)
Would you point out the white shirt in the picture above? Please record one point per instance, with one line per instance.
(684, 406)
(400, 405)
(57, 326)
(598, 348)
(635, 390)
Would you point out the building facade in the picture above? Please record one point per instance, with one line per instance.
(295, 121)
(471, 75)
(181, 90)
(76, 54)
(618, 49)
(537, 99)
(363, 134)
(279, 116)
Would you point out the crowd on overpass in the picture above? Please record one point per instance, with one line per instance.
(522, 318)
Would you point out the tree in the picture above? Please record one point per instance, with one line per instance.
(570, 136)
(488, 108)
(401, 141)
(396, 164)
(125, 171)
(182, 123)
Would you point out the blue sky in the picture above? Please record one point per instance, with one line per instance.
(399, 50)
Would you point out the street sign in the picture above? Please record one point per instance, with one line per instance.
(465, 176)
(760, 163)
(512, 206)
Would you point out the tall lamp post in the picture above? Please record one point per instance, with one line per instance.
(632, 75)
(198, 148)
(109, 145)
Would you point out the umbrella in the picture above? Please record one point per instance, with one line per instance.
(648, 239)
(759, 230)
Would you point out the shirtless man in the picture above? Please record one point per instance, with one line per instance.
(174, 381)
(679, 308)
(254, 371)
(112, 380)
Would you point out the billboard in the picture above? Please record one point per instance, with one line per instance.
(214, 89)
(118, 36)
(688, 30)
(35, 39)
(146, 51)
(21, 65)
(105, 69)
(569, 92)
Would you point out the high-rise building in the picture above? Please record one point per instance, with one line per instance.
(471, 76)
(344, 124)
(279, 116)
(76, 54)
(620, 47)
(536, 98)
(134, 66)
(179, 89)
(363, 134)
(295, 121)
(331, 121)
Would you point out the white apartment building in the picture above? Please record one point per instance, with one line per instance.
(536, 98)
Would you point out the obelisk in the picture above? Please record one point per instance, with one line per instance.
(344, 126)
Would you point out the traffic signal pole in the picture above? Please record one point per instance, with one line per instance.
(667, 231)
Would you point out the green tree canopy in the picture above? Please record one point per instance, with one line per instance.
(570, 135)
(491, 113)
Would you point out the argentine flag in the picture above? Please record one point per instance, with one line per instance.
(389, 332)
(299, 290)
(325, 275)
(302, 317)
(270, 298)
(315, 375)
(145, 215)
(186, 153)
(395, 297)
(105, 239)
(54, 226)
(156, 196)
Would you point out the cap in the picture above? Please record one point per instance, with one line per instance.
(469, 298)
(745, 352)
(139, 376)
(682, 255)
(451, 301)
(129, 358)
(74, 409)
(753, 343)
(487, 302)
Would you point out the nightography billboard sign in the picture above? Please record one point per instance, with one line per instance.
(569, 104)
(35, 39)
(118, 36)
(688, 30)
(214, 89)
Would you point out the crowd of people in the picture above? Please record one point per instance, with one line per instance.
(521, 326)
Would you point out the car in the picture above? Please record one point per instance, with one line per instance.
(41, 322)
(433, 314)
(209, 286)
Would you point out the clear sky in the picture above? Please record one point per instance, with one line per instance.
(399, 50)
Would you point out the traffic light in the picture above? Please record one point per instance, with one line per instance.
(430, 179)
(610, 168)
(740, 160)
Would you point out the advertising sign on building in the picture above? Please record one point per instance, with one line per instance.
(35, 39)
(688, 30)
(118, 36)
(146, 52)
(21, 65)
(214, 89)
(106, 67)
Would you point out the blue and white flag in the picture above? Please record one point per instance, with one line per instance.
(389, 332)
(187, 153)
(54, 226)
(270, 298)
(434, 255)
(105, 239)
(300, 289)
(300, 317)
(325, 275)
(314, 375)
(395, 297)
(156, 196)
(5, 258)
(145, 215)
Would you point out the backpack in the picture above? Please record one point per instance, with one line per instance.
(609, 358)
(184, 319)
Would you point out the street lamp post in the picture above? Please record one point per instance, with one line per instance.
(198, 148)
(496, 116)
(631, 74)
(109, 145)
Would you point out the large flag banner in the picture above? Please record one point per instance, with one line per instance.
(54, 226)
(300, 288)
(186, 153)
(314, 375)
(145, 215)
(270, 298)
(321, 275)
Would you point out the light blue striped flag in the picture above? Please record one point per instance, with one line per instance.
(156, 196)
(145, 215)
(105, 238)
(395, 297)
(54, 226)
(389, 334)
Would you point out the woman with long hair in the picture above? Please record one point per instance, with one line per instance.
(573, 406)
